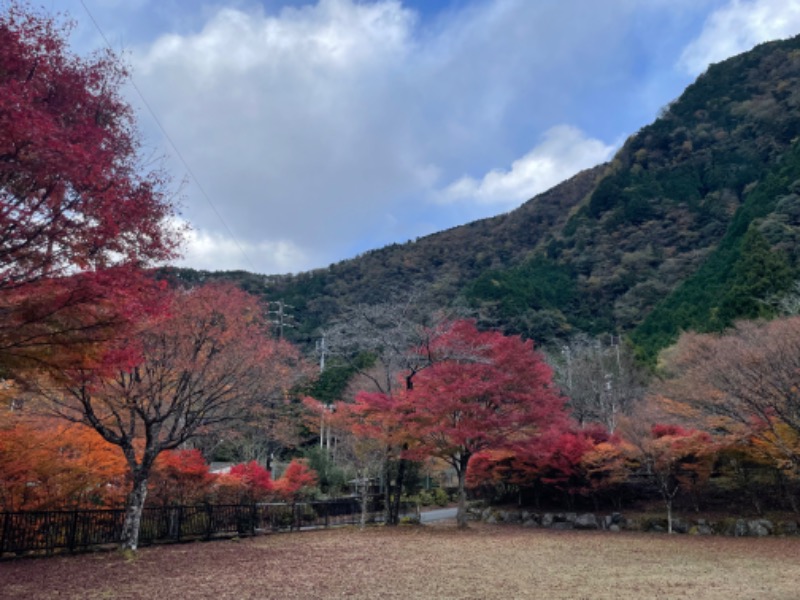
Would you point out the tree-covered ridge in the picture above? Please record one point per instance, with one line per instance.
(685, 218)
(675, 186)
(435, 268)
(678, 197)
(756, 260)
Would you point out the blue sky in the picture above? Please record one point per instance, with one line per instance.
(319, 129)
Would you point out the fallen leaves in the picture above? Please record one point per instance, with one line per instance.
(483, 562)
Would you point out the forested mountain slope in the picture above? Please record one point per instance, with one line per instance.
(694, 223)
(434, 270)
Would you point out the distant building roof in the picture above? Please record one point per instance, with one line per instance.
(220, 467)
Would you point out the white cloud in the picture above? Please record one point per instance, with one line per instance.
(215, 252)
(739, 26)
(311, 125)
(564, 151)
(288, 121)
(331, 34)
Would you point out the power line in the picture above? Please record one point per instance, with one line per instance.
(173, 145)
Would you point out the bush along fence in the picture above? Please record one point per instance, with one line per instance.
(48, 532)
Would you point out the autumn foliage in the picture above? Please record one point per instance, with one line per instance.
(245, 482)
(180, 477)
(481, 391)
(81, 213)
(49, 464)
(744, 382)
(297, 481)
(74, 194)
(137, 371)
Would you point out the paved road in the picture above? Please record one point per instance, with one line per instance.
(438, 515)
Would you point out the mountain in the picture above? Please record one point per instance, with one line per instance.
(694, 223)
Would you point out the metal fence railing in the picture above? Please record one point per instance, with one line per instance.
(48, 532)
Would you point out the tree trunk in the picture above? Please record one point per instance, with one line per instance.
(793, 503)
(364, 500)
(387, 498)
(133, 514)
(461, 515)
(398, 490)
(669, 514)
(390, 492)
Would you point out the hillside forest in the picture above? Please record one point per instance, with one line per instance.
(630, 338)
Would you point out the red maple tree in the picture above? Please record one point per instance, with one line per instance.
(484, 391)
(79, 212)
(180, 477)
(297, 480)
(73, 192)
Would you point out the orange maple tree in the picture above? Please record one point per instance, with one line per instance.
(195, 367)
(49, 464)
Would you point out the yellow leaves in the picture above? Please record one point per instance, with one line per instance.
(777, 444)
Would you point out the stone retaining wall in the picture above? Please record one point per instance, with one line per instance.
(618, 522)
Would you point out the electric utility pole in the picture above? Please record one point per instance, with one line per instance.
(281, 315)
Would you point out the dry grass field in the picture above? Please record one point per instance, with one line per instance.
(431, 562)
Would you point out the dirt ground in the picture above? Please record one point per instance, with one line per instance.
(430, 562)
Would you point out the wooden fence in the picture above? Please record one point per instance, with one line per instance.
(48, 532)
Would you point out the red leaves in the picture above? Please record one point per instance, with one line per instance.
(199, 363)
(253, 475)
(73, 321)
(482, 391)
(246, 482)
(490, 467)
(677, 457)
(79, 213)
(377, 416)
(297, 480)
(74, 195)
(48, 464)
(674, 443)
(556, 457)
(661, 430)
(250, 482)
(487, 391)
(180, 477)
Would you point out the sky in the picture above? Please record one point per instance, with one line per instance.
(299, 133)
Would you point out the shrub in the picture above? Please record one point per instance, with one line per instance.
(441, 497)
(425, 498)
